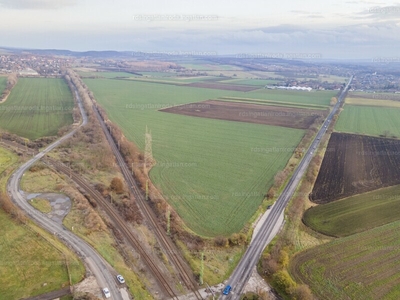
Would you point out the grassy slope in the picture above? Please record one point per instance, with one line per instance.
(223, 181)
(360, 266)
(37, 107)
(3, 83)
(27, 260)
(369, 120)
(355, 214)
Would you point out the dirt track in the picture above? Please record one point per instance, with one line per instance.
(250, 113)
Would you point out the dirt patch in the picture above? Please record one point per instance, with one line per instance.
(223, 86)
(250, 113)
(89, 285)
(60, 204)
(355, 164)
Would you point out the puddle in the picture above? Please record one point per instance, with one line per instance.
(60, 204)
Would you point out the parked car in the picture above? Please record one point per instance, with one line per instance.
(106, 293)
(120, 279)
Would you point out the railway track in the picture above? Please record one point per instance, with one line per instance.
(169, 247)
(116, 219)
(13, 145)
(162, 237)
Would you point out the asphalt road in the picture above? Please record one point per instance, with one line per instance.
(96, 264)
(249, 260)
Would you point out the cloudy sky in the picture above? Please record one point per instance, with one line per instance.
(327, 29)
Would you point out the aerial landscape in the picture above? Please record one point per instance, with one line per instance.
(199, 150)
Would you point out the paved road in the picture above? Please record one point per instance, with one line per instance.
(243, 271)
(95, 262)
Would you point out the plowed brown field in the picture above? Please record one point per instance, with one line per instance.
(251, 113)
(356, 164)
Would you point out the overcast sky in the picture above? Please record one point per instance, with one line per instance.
(327, 29)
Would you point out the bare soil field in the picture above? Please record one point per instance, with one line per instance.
(251, 113)
(356, 164)
(223, 86)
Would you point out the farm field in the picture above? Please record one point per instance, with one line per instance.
(37, 107)
(223, 86)
(369, 120)
(174, 80)
(105, 74)
(355, 214)
(375, 96)
(321, 98)
(252, 113)
(356, 164)
(360, 266)
(203, 166)
(272, 102)
(256, 82)
(372, 102)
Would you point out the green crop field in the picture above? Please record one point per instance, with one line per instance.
(360, 266)
(3, 83)
(213, 172)
(355, 214)
(321, 98)
(372, 102)
(37, 107)
(105, 74)
(369, 120)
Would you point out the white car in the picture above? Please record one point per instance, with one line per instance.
(106, 293)
(120, 279)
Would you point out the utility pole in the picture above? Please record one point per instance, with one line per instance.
(148, 151)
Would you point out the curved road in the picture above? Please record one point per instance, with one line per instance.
(94, 261)
(249, 260)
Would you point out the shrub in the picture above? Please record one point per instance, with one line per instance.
(117, 185)
(283, 281)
